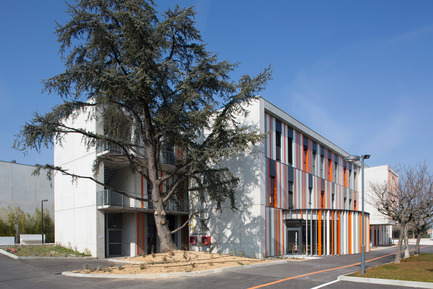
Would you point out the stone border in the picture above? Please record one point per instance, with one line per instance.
(10, 255)
(413, 284)
(168, 275)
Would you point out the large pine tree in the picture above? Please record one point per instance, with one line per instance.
(151, 73)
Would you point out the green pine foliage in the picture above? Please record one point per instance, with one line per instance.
(149, 79)
(11, 217)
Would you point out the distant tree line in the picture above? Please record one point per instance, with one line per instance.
(13, 222)
(408, 202)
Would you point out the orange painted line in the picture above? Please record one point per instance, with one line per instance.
(319, 234)
(142, 232)
(138, 234)
(322, 271)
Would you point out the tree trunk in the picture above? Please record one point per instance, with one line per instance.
(162, 229)
(161, 222)
(418, 239)
(406, 244)
(400, 240)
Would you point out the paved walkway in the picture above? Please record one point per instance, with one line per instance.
(296, 274)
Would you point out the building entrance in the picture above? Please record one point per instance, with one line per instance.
(113, 235)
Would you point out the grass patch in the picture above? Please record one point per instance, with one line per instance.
(46, 251)
(416, 268)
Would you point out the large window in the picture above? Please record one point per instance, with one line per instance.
(291, 201)
(278, 140)
(306, 156)
(336, 169)
(314, 161)
(272, 184)
(322, 162)
(290, 146)
(330, 166)
(272, 193)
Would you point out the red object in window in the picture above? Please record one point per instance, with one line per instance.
(192, 240)
(205, 240)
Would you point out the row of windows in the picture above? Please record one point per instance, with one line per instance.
(272, 195)
(324, 163)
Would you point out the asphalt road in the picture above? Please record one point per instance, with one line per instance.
(295, 274)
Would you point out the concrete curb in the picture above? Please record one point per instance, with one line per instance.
(167, 275)
(10, 255)
(392, 282)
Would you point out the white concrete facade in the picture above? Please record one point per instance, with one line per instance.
(380, 225)
(89, 218)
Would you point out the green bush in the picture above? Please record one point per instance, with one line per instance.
(27, 224)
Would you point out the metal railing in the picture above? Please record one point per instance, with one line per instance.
(110, 198)
(112, 148)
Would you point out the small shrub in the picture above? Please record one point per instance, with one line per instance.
(185, 255)
(142, 267)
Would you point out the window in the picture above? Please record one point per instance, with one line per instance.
(291, 195)
(333, 201)
(336, 169)
(278, 140)
(350, 176)
(322, 162)
(290, 146)
(354, 179)
(355, 206)
(306, 155)
(330, 166)
(272, 184)
(323, 200)
(314, 162)
(272, 189)
(345, 174)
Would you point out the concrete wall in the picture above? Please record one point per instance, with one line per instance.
(376, 175)
(239, 230)
(19, 188)
(78, 223)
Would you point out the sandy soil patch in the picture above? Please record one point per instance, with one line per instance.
(176, 261)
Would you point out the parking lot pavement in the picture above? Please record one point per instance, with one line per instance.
(294, 274)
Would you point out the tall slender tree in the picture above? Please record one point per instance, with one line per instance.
(148, 78)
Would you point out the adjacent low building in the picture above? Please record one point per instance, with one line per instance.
(20, 188)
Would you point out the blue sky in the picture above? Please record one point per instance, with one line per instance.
(360, 73)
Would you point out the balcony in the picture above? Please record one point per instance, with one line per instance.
(110, 200)
(110, 148)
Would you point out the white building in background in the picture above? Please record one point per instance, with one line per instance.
(19, 188)
(380, 225)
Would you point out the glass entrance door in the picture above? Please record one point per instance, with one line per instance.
(114, 235)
